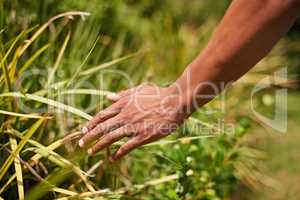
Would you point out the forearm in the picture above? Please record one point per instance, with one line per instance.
(246, 34)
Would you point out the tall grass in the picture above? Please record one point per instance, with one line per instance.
(50, 85)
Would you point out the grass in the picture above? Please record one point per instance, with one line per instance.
(50, 85)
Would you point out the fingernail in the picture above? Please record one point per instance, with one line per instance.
(113, 97)
(84, 130)
(90, 152)
(81, 143)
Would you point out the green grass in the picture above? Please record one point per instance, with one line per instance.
(53, 66)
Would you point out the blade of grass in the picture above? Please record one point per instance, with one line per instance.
(55, 158)
(3, 60)
(123, 190)
(55, 178)
(58, 60)
(18, 168)
(108, 64)
(183, 139)
(32, 58)
(34, 159)
(87, 91)
(44, 26)
(27, 166)
(77, 72)
(62, 162)
(4, 112)
(22, 143)
(2, 30)
(22, 49)
(88, 72)
(55, 86)
(167, 142)
(49, 102)
(3, 187)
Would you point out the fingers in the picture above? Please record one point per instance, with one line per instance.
(100, 129)
(126, 148)
(109, 139)
(101, 117)
(116, 97)
(113, 97)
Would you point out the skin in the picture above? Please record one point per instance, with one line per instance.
(147, 113)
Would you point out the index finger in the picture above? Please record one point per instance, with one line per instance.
(102, 116)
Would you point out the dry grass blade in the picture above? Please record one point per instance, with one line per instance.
(49, 102)
(87, 91)
(22, 143)
(44, 26)
(54, 157)
(27, 166)
(60, 161)
(64, 191)
(33, 116)
(18, 168)
(34, 159)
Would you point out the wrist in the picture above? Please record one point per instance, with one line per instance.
(184, 96)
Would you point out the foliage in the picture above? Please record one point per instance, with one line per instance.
(150, 41)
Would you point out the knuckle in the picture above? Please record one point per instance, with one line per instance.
(108, 138)
(122, 150)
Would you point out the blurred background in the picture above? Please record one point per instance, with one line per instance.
(150, 41)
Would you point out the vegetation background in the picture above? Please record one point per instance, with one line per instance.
(51, 67)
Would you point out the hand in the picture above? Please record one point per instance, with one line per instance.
(145, 114)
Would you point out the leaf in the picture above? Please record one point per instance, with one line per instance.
(7, 183)
(3, 60)
(87, 91)
(60, 161)
(44, 26)
(32, 58)
(23, 115)
(55, 145)
(50, 102)
(18, 168)
(48, 153)
(22, 143)
(77, 72)
(108, 64)
(58, 60)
